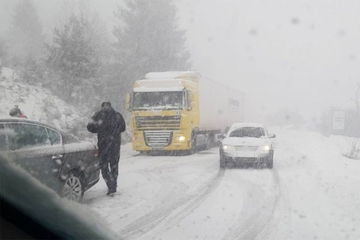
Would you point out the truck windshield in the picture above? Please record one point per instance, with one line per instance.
(158, 100)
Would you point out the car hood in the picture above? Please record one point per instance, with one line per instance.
(246, 141)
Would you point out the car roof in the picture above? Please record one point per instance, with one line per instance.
(247, 124)
(24, 120)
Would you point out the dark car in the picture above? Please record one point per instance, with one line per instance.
(55, 158)
(29, 210)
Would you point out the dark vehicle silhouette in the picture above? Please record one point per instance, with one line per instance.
(29, 210)
(57, 159)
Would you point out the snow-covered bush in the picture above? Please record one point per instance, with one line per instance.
(353, 148)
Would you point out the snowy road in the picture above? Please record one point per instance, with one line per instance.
(312, 193)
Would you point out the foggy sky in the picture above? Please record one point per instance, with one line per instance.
(295, 54)
(301, 54)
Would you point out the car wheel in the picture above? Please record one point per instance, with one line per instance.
(223, 162)
(257, 165)
(73, 188)
(269, 163)
(244, 165)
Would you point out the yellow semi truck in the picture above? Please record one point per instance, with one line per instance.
(181, 111)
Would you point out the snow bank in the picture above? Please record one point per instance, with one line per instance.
(323, 185)
(39, 104)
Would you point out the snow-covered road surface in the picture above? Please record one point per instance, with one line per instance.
(312, 193)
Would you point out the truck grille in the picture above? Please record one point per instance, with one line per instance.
(246, 148)
(158, 122)
(158, 138)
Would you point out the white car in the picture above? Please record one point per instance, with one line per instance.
(247, 143)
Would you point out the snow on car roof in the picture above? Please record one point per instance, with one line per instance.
(246, 124)
(16, 119)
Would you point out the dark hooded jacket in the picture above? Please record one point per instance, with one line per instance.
(108, 124)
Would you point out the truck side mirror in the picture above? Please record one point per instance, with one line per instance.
(127, 104)
(192, 105)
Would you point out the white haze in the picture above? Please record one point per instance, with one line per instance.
(301, 55)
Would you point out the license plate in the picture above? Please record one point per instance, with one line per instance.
(245, 154)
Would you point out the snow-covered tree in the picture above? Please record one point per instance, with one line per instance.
(2, 52)
(25, 39)
(75, 60)
(147, 39)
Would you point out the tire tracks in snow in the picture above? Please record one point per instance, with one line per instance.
(168, 215)
(266, 217)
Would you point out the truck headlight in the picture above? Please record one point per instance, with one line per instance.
(181, 138)
(136, 138)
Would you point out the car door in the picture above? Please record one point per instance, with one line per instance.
(37, 151)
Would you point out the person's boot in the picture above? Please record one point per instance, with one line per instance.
(111, 191)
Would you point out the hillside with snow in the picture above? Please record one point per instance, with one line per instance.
(39, 104)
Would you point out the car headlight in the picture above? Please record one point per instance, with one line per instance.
(267, 148)
(226, 147)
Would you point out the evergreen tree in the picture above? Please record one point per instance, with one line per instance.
(147, 40)
(24, 38)
(75, 61)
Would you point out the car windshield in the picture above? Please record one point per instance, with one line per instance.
(180, 119)
(255, 132)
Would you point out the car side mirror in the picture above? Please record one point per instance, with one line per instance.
(272, 135)
(221, 136)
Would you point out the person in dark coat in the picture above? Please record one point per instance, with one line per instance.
(16, 112)
(108, 124)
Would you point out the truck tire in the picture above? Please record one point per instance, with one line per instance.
(207, 142)
(193, 143)
(144, 153)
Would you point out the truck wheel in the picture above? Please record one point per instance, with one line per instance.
(193, 143)
(207, 142)
(144, 153)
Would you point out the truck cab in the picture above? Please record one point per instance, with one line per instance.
(181, 111)
(164, 111)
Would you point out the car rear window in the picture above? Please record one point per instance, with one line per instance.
(67, 138)
(27, 135)
(54, 136)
